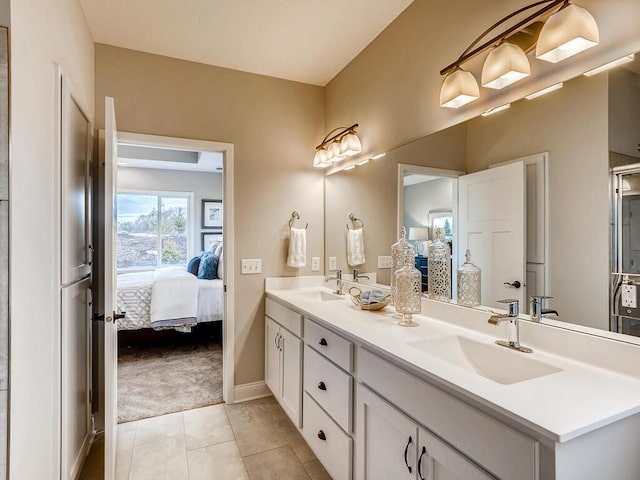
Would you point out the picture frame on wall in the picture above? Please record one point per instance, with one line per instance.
(212, 214)
(210, 237)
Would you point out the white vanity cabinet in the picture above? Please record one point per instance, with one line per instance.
(392, 445)
(283, 358)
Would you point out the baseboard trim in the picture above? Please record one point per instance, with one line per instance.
(251, 391)
(78, 463)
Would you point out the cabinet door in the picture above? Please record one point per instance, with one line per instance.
(272, 357)
(386, 440)
(438, 461)
(291, 351)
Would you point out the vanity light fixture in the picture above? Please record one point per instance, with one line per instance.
(610, 65)
(544, 91)
(568, 30)
(379, 155)
(491, 111)
(339, 143)
(362, 162)
(350, 167)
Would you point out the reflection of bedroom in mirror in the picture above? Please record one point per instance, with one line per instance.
(169, 280)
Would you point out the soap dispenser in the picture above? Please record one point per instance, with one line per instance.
(469, 283)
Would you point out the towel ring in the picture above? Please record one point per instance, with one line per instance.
(295, 216)
(355, 219)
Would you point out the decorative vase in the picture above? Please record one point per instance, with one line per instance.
(469, 286)
(402, 253)
(439, 283)
(408, 294)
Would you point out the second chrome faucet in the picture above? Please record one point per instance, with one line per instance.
(513, 335)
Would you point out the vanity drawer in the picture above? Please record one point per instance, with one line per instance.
(332, 446)
(507, 453)
(331, 345)
(329, 386)
(286, 317)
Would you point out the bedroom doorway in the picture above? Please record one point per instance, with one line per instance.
(174, 202)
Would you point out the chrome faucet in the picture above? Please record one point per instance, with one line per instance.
(339, 283)
(513, 337)
(536, 312)
(356, 275)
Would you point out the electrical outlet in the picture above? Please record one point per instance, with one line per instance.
(333, 263)
(385, 262)
(315, 264)
(629, 298)
(251, 266)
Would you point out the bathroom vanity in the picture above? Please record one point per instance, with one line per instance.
(441, 401)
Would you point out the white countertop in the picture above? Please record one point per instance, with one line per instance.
(561, 406)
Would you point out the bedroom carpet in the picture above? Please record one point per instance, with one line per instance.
(156, 379)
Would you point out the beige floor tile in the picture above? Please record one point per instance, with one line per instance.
(297, 443)
(206, 426)
(164, 459)
(217, 462)
(156, 428)
(254, 428)
(246, 413)
(127, 427)
(124, 453)
(278, 464)
(316, 471)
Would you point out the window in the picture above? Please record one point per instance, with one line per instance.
(154, 229)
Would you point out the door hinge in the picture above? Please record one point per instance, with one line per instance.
(225, 288)
(98, 317)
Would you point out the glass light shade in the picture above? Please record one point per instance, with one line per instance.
(350, 145)
(321, 160)
(458, 89)
(334, 153)
(418, 233)
(566, 33)
(505, 64)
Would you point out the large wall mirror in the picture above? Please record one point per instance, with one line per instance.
(580, 130)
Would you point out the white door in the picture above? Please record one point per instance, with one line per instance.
(291, 375)
(272, 357)
(110, 306)
(387, 440)
(438, 461)
(492, 225)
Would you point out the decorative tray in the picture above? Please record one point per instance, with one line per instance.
(355, 293)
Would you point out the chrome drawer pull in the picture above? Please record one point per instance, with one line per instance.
(323, 342)
(321, 435)
(322, 386)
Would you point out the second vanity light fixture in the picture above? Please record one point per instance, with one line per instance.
(569, 30)
(340, 143)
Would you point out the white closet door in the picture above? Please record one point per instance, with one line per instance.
(492, 225)
(110, 305)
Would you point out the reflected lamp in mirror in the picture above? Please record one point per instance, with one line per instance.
(338, 144)
(419, 235)
(568, 30)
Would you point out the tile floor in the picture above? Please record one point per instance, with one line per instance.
(247, 441)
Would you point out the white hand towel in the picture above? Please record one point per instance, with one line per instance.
(355, 247)
(297, 248)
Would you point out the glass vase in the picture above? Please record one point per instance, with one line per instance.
(402, 253)
(469, 286)
(439, 261)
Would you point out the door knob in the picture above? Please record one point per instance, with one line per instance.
(515, 284)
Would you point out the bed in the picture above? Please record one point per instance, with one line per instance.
(135, 296)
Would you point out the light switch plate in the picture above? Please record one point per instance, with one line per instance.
(251, 266)
(333, 264)
(315, 264)
(629, 296)
(385, 262)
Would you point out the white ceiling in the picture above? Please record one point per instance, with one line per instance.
(308, 41)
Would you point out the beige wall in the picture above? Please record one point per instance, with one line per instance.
(624, 112)
(572, 125)
(274, 125)
(424, 197)
(203, 185)
(42, 33)
(392, 87)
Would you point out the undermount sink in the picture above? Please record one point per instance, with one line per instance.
(319, 295)
(489, 361)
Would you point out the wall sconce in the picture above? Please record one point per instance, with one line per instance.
(569, 30)
(337, 146)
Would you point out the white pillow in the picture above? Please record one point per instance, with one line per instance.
(220, 266)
